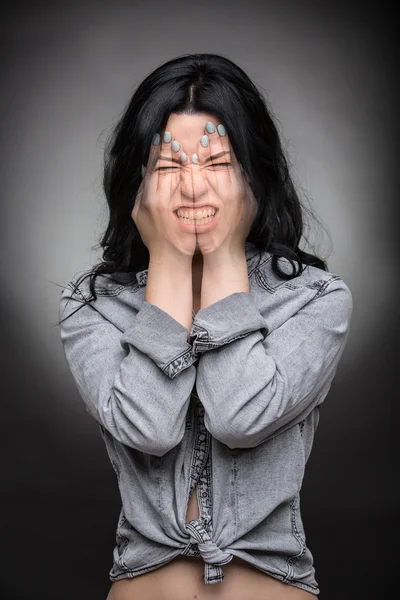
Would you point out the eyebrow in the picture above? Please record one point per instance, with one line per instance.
(207, 159)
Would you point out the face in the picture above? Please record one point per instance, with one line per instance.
(216, 182)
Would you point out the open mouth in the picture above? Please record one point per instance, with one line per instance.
(199, 217)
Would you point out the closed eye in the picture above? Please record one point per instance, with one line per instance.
(212, 165)
(164, 168)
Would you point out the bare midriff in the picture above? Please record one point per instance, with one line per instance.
(183, 579)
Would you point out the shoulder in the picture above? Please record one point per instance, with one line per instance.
(118, 298)
(105, 284)
(315, 279)
(318, 290)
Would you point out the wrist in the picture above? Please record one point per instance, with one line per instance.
(172, 261)
(169, 286)
(225, 261)
(221, 279)
(171, 273)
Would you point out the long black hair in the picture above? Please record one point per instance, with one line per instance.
(202, 83)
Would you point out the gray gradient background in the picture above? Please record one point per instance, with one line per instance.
(68, 71)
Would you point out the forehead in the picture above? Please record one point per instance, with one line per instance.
(188, 129)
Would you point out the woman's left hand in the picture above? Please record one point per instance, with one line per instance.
(228, 190)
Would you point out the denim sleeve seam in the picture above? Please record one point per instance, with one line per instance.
(212, 345)
(179, 363)
(201, 336)
(204, 341)
(76, 292)
(204, 333)
(324, 286)
(297, 535)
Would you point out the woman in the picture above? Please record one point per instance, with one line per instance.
(205, 342)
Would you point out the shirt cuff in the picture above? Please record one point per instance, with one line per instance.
(163, 339)
(226, 320)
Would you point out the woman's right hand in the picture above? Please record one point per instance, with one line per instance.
(159, 195)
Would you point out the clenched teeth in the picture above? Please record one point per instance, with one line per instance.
(196, 214)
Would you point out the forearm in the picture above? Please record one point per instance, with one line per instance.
(254, 380)
(222, 278)
(169, 286)
(135, 383)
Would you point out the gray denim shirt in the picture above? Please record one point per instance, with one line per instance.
(233, 413)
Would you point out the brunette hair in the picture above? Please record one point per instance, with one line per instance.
(190, 84)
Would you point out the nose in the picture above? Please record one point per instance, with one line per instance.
(193, 184)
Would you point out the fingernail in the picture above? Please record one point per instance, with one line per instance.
(156, 139)
(221, 130)
(143, 170)
(167, 137)
(204, 141)
(175, 146)
(183, 157)
(210, 127)
(195, 159)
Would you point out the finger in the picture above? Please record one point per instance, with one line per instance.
(149, 182)
(214, 145)
(228, 157)
(224, 158)
(184, 158)
(154, 153)
(201, 187)
(214, 152)
(168, 167)
(213, 142)
(145, 171)
(220, 164)
(185, 189)
(196, 173)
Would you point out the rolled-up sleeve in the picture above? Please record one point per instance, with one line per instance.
(254, 383)
(136, 383)
(225, 321)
